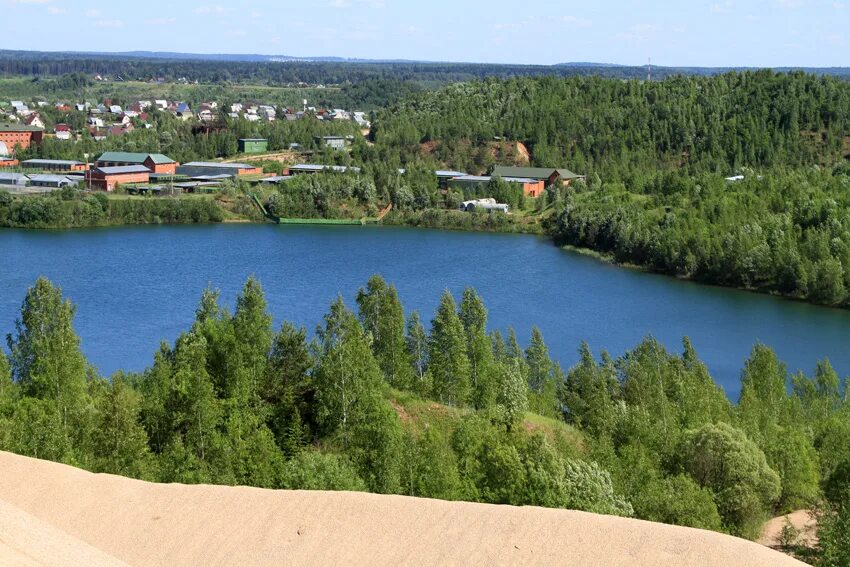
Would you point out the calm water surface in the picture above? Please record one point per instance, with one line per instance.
(136, 286)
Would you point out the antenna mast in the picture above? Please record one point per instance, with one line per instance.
(649, 70)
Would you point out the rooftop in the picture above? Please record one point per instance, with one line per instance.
(51, 162)
(122, 169)
(219, 165)
(133, 157)
(533, 172)
(9, 127)
(46, 177)
(318, 167)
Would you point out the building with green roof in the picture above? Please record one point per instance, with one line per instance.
(157, 163)
(550, 175)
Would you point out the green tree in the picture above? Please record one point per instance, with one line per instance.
(512, 396)
(763, 393)
(346, 373)
(286, 389)
(120, 443)
(252, 328)
(46, 359)
(588, 392)
(417, 347)
(473, 315)
(382, 315)
(448, 362)
(541, 377)
(723, 459)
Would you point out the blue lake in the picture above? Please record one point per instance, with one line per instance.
(137, 286)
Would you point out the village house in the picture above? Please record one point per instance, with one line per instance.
(183, 111)
(62, 132)
(34, 120)
(333, 142)
(156, 163)
(107, 178)
(550, 176)
(119, 129)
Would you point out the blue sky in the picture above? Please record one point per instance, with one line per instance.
(707, 33)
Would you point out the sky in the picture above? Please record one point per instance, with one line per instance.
(716, 33)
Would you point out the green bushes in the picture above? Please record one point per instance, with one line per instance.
(56, 211)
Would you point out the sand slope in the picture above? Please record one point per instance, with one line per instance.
(57, 514)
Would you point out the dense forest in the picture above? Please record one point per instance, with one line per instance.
(329, 72)
(376, 401)
(657, 156)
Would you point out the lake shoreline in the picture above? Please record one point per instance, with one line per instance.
(405, 220)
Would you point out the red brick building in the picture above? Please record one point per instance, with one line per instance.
(108, 177)
(20, 135)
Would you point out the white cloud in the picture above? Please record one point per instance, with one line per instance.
(56, 11)
(93, 14)
(790, 3)
(29, 1)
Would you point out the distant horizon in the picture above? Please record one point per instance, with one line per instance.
(705, 33)
(212, 56)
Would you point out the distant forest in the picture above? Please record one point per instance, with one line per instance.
(42, 64)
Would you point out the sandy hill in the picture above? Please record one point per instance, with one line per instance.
(52, 514)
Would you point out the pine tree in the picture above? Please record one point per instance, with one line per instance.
(448, 362)
(252, 328)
